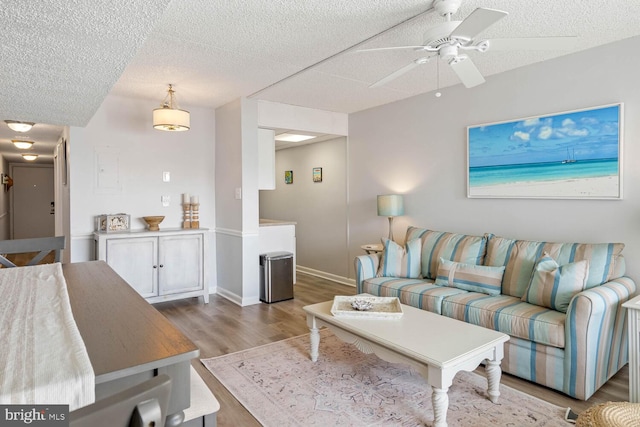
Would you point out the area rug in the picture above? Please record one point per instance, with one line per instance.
(280, 386)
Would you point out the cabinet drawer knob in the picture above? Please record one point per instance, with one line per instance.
(155, 266)
(161, 265)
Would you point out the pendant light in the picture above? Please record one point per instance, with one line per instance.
(169, 117)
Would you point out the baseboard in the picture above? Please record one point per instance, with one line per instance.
(236, 299)
(325, 275)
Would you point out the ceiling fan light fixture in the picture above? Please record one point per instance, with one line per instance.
(17, 126)
(29, 157)
(22, 144)
(169, 117)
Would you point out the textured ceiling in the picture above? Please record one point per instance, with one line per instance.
(62, 57)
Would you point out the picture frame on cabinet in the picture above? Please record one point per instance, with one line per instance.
(288, 177)
(317, 174)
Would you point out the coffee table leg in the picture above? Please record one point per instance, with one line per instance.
(315, 343)
(492, 368)
(440, 401)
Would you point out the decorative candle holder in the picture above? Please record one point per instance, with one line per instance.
(195, 215)
(186, 215)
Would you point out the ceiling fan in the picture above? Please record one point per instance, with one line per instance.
(448, 40)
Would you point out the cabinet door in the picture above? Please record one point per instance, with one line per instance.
(135, 261)
(180, 261)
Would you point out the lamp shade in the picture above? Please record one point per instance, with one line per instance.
(171, 119)
(391, 205)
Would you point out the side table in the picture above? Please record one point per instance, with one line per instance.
(372, 248)
(633, 317)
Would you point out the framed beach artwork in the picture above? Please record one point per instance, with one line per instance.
(288, 177)
(569, 155)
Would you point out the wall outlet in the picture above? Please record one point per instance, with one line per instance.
(166, 176)
(238, 193)
(166, 200)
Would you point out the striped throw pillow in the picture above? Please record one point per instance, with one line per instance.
(470, 277)
(519, 256)
(456, 247)
(400, 262)
(553, 286)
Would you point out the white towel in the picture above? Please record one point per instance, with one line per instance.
(43, 359)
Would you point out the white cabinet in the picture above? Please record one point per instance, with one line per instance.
(162, 265)
(266, 159)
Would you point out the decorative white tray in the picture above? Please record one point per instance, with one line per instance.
(383, 307)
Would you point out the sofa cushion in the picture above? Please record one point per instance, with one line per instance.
(508, 315)
(414, 292)
(400, 262)
(450, 246)
(470, 277)
(553, 286)
(519, 257)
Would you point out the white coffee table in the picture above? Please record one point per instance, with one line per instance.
(437, 346)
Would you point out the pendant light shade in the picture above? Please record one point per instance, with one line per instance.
(169, 117)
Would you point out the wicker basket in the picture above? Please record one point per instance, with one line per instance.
(610, 414)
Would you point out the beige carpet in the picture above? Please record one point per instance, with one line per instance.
(280, 386)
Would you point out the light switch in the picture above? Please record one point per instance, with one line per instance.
(166, 176)
(238, 193)
(166, 200)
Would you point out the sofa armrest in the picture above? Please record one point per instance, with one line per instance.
(366, 267)
(596, 343)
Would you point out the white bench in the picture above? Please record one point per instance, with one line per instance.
(204, 405)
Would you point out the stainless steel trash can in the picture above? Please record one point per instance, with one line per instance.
(276, 276)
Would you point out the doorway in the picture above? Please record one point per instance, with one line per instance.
(32, 209)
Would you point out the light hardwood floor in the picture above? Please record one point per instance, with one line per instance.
(222, 327)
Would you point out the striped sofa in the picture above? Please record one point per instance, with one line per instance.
(559, 302)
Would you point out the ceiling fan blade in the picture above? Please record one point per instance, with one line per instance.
(479, 20)
(467, 71)
(389, 48)
(534, 43)
(399, 72)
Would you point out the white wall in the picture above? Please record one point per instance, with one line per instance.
(418, 147)
(116, 165)
(236, 168)
(320, 209)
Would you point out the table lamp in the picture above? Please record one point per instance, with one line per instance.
(390, 205)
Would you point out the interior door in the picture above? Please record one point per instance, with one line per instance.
(33, 213)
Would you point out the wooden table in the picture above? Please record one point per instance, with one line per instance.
(128, 340)
(437, 346)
